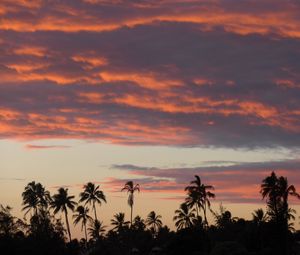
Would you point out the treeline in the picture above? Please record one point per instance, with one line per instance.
(43, 232)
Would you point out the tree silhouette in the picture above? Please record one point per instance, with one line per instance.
(154, 222)
(131, 188)
(184, 217)
(82, 216)
(276, 191)
(259, 216)
(138, 223)
(8, 223)
(35, 198)
(96, 229)
(92, 195)
(199, 195)
(119, 222)
(61, 202)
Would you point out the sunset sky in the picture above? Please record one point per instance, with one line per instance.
(150, 91)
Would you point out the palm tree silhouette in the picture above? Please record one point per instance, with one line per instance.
(269, 189)
(199, 195)
(96, 229)
(92, 195)
(277, 190)
(131, 188)
(184, 217)
(61, 202)
(82, 215)
(35, 197)
(138, 223)
(154, 222)
(119, 222)
(259, 216)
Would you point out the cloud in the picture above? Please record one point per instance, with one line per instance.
(11, 179)
(122, 72)
(38, 147)
(238, 182)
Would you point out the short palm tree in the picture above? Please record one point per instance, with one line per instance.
(138, 223)
(35, 197)
(131, 188)
(259, 216)
(92, 195)
(184, 217)
(82, 216)
(154, 222)
(119, 222)
(96, 229)
(61, 202)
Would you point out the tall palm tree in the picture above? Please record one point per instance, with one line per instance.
(35, 197)
(92, 195)
(119, 222)
(194, 199)
(154, 222)
(200, 195)
(131, 188)
(82, 215)
(184, 217)
(61, 202)
(269, 190)
(96, 229)
(277, 191)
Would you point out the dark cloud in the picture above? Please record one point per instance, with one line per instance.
(152, 75)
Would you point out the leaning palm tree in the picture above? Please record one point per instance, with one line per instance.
(61, 202)
(92, 195)
(184, 217)
(119, 222)
(82, 215)
(131, 188)
(35, 197)
(154, 222)
(200, 195)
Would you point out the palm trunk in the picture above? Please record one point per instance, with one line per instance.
(68, 225)
(86, 239)
(197, 210)
(204, 211)
(131, 215)
(94, 207)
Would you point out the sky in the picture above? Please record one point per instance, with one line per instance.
(150, 91)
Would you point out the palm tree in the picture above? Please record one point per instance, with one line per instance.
(119, 222)
(61, 202)
(96, 229)
(138, 223)
(199, 195)
(154, 222)
(82, 215)
(277, 190)
(259, 216)
(184, 217)
(269, 189)
(35, 197)
(92, 195)
(131, 188)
